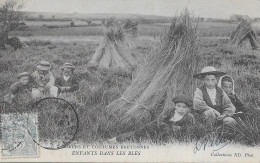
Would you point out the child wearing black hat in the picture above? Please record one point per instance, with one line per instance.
(67, 82)
(171, 120)
(19, 90)
(179, 116)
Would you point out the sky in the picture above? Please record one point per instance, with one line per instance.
(203, 8)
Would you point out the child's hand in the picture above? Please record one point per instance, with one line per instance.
(176, 127)
(67, 88)
(47, 86)
(216, 112)
(221, 117)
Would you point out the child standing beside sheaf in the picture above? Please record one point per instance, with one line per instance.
(20, 91)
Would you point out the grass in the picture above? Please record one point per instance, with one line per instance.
(206, 29)
(97, 92)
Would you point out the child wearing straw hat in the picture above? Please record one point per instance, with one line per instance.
(44, 81)
(67, 82)
(173, 119)
(210, 101)
(20, 90)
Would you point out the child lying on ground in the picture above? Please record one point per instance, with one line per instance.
(172, 120)
(20, 91)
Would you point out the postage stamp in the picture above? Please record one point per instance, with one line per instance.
(19, 133)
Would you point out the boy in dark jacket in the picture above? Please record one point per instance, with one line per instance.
(179, 116)
(67, 82)
(171, 120)
(227, 84)
(20, 90)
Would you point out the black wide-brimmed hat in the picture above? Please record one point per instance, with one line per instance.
(183, 98)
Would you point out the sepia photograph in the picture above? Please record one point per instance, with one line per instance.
(129, 80)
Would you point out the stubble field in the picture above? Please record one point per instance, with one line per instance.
(98, 89)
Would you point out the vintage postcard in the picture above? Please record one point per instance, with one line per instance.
(129, 80)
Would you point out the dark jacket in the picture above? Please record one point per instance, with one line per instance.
(202, 102)
(72, 82)
(219, 97)
(18, 93)
(186, 121)
(237, 103)
(233, 97)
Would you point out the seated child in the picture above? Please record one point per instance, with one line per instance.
(67, 82)
(179, 116)
(173, 119)
(227, 84)
(210, 101)
(20, 91)
(43, 81)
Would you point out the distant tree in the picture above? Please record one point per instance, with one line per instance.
(9, 19)
(72, 24)
(89, 22)
(256, 19)
(41, 16)
(53, 16)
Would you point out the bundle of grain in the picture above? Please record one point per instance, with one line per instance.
(130, 28)
(112, 53)
(166, 73)
(242, 33)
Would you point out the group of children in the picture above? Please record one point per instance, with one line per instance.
(42, 83)
(214, 101)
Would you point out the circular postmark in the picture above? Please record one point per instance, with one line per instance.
(57, 122)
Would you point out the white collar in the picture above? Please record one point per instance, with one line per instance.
(176, 117)
(211, 90)
(66, 78)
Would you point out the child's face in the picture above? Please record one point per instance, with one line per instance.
(227, 87)
(210, 81)
(67, 71)
(42, 72)
(24, 80)
(181, 108)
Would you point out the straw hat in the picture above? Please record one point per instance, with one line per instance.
(208, 70)
(44, 65)
(68, 65)
(182, 98)
(23, 74)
